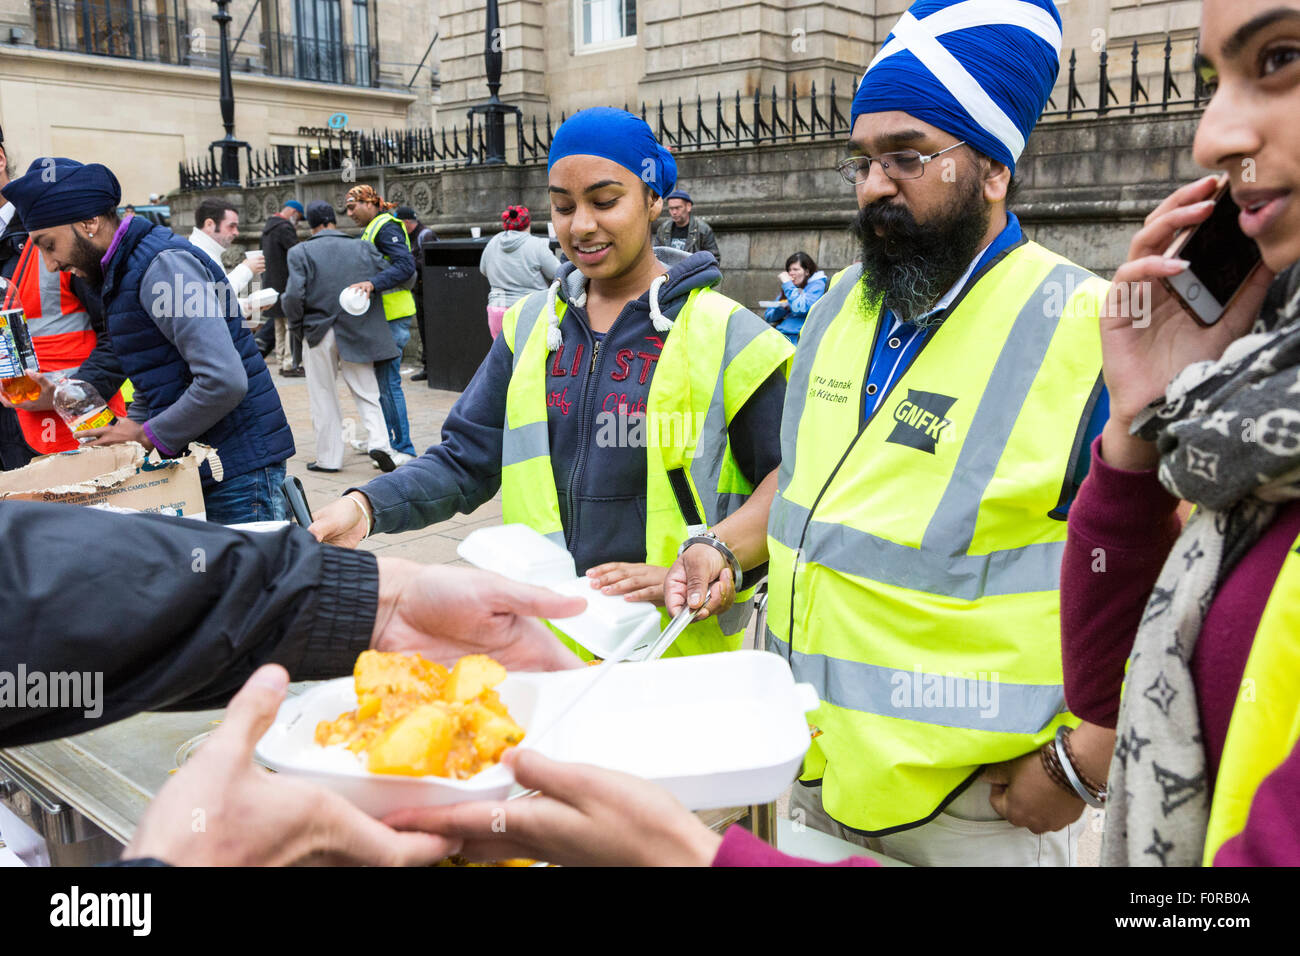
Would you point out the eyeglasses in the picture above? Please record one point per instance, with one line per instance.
(905, 164)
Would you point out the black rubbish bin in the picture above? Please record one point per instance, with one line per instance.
(456, 335)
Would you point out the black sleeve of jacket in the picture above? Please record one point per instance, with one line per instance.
(172, 612)
(101, 368)
(755, 436)
(755, 430)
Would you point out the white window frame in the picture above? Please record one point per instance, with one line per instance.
(581, 48)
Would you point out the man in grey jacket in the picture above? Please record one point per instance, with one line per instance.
(335, 340)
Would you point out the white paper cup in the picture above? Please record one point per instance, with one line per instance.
(253, 256)
(475, 231)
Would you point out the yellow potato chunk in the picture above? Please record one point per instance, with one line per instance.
(471, 676)
(416, 718)
(378, 673)
(493, 733)
(417, 745)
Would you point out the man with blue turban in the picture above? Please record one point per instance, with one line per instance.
(935, 429)
(178, 330)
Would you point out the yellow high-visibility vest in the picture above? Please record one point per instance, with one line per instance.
(915, 559)
(398, 303)
(714, 358)
(1265, 724)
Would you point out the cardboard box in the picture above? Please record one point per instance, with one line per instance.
(117, 475)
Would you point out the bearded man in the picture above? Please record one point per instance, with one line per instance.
(177, 328)
(941, 397)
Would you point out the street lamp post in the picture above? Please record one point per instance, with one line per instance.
(230, 146)
(493, 111)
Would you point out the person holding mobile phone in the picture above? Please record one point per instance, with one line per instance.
(1205, 408)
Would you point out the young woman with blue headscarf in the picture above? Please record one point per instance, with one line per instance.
(620, 409)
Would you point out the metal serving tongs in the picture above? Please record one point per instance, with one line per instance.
(623, 652)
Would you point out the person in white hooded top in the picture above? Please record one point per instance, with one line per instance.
(515, 263)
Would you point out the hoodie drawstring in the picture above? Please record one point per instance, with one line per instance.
(554, 339)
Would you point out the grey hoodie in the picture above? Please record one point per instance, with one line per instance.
(516, 263)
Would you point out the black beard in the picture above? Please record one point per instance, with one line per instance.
(914, 264)
(87, 259)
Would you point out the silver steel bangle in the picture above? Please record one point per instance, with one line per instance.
(1072, 775)
(365, 516)
(714, 542)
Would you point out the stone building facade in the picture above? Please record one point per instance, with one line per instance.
(137, 80)
(564, 55)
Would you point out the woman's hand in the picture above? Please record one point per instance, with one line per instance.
(637, 582)
(343, 523)
(584, 816)
(699, 578)
(1147, 337)
(784, 277)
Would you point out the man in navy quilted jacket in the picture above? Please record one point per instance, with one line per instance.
(177, 328)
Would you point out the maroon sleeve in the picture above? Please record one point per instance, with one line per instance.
(1122, 525)
(1272, 834)
(742, 848)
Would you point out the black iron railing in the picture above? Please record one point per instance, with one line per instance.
(131, 29)
(1169, 89)
(1154, 83)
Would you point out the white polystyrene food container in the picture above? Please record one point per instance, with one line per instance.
(522, 554)
(715, 730)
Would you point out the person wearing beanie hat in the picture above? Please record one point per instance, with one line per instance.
(942, 399)
(515, 263)
(621, 409)
(178, 330)
(279, 235)
(393, 283)
(683, 229)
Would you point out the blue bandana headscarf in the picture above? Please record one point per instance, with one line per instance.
(618, 136)
(55, 191)
(981, 70)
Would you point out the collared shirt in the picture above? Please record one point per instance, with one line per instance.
(6, 216)
(896, 350)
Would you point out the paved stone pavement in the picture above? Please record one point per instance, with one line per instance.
(426, 409)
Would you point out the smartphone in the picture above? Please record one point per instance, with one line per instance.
(1222, 258)
(297, 495)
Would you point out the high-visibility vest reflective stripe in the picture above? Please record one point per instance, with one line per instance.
(398, 303)
(914, 566)
(713, 360)
(62, 336)
(1265, 724)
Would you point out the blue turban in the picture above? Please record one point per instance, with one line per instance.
(981, 70)
(55, 191)
(618, 136)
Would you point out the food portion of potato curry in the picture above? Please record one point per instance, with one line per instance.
(416, 718)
